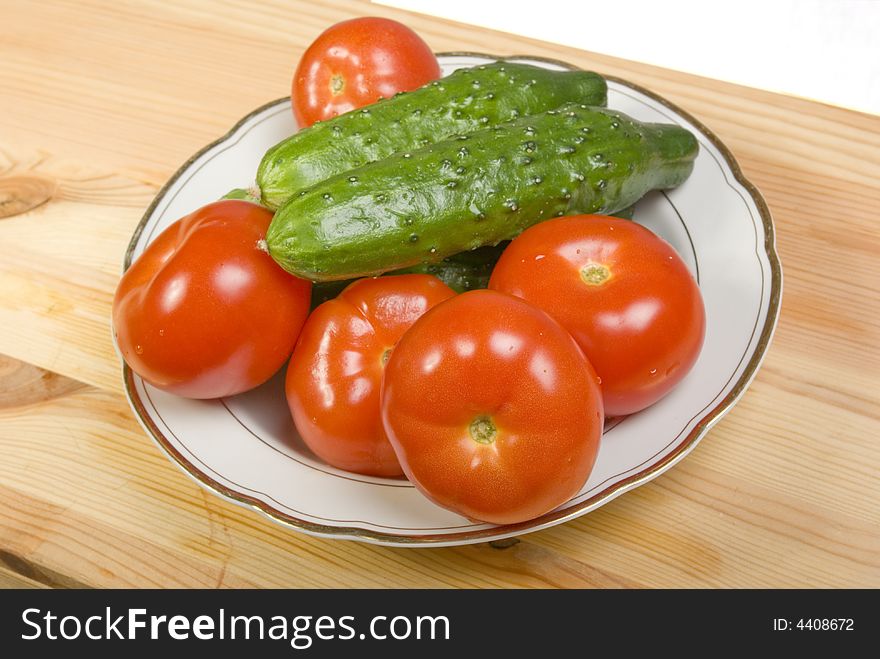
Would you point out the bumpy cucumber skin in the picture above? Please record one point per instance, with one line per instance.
(465, 101)
(476, 190)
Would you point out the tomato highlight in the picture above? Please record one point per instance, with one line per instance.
(493, 410)
(335, 373)
(205, 312)
(357, 62)
(625, 295)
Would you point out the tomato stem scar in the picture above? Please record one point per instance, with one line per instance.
(337, 84)
(482, 430)
(595, 274)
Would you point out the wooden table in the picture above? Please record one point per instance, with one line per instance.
(101, 101)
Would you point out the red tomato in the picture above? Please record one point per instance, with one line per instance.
(357, 62)
(205, 312)
(623, 293)
(334, 375)
(492, 408)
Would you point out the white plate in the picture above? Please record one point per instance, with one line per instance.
(245, 448)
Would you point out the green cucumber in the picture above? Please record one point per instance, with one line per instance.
(465, 101)
(327, 290)
(625, 213)
(464, 271)
(461, 272)
(475, 190)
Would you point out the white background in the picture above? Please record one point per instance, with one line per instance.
(826, 50)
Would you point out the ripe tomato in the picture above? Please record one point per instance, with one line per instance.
(623, 293)
(334, 375)
(205, 312)
(357, 62)
(492, 408)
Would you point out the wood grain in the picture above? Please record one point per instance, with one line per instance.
(80, 468)
(12, 578)
(783, 492)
